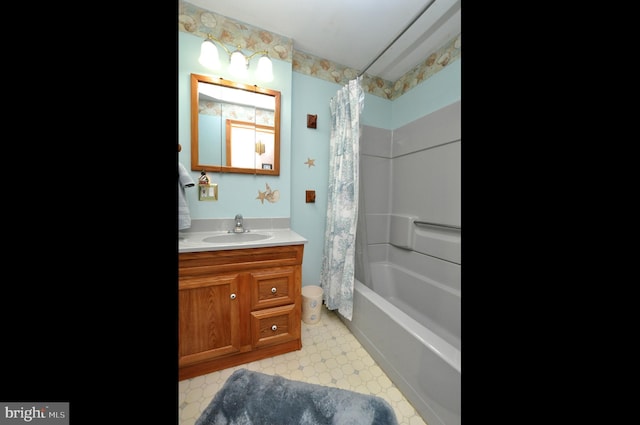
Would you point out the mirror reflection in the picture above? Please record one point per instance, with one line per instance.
(234, 127)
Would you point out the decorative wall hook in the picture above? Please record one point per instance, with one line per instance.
(204, 179)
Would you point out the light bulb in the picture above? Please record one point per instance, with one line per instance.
(209, 55)
(238, 65)
(265, 69)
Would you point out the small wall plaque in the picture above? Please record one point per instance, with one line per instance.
(312, 121)
(310, 196)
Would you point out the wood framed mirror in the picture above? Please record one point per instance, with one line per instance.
(235, 127)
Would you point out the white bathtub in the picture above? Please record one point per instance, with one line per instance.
(410, 325)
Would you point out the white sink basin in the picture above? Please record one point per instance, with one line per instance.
(237, 237)
(219, 240)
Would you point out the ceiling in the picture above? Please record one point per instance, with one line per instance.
(353, 32)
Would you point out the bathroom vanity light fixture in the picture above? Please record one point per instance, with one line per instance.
(238, 62)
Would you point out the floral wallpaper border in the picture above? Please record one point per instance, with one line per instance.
(198, 21)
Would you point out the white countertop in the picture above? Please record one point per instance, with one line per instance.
(195, 241)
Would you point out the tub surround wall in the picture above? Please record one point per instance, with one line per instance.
(426, 167)
(413, 173)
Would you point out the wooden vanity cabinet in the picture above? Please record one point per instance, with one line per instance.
(237, 306)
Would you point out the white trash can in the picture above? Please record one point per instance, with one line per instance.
(311, 304)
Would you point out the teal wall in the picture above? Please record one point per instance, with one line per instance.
(439, 90)
(312, 96)
(237, 193)
(301, 95)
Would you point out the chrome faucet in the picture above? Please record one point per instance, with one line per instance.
(239, 228)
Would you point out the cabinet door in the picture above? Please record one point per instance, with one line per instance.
(208, 318)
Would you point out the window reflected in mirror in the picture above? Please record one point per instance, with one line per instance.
(250, 145)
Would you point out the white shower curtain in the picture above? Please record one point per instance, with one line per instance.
(337, 273)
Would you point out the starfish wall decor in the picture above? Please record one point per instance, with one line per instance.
(270, 195)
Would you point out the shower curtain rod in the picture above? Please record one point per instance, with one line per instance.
(396, 39)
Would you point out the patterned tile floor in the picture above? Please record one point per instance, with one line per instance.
(330, 356)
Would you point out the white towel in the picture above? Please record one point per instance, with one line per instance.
(184, 180)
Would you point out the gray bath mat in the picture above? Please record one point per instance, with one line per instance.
(254, 398)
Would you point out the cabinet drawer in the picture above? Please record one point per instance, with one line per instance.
(272, 288)
(275, 325)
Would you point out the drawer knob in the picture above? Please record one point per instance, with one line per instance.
(274, 328)
(233, 296)
(273, 290)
